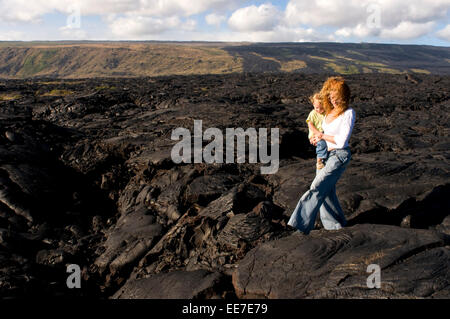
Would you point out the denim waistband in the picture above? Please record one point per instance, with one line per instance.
(339, 149)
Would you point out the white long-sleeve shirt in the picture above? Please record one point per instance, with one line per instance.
(341, 128)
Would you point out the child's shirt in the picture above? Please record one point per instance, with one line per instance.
(316, 119)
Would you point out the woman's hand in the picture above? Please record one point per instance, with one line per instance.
(315, 139)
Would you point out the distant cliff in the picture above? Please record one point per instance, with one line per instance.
(131, 59)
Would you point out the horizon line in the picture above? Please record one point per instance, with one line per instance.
(219, 42)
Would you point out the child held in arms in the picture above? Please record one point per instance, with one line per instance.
(314, 121)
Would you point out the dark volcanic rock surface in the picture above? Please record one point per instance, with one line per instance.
(86, 177)
(173, 285)
(333, 264)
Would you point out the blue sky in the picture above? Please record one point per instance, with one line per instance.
(382, 21)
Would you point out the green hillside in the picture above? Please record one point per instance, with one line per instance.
(129, 59)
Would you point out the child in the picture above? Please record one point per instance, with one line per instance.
(314, 121)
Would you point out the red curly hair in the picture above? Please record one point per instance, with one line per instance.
(335, 84)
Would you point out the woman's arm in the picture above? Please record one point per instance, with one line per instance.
(325, 137)
(321, 136)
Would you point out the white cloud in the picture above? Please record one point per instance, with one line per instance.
(360, 31)
(407, 30)
(189, 25)
(32, 11)
(142, 27)
(301, 20)
(12, 36)
(350, 13)
(403, 31)
(444, 34)
(69, 33)
(253, 18)
(183, 7)
(386, 19)
(134, 27)
(125, 18)
(23, 11)
(323, 12)
(286, 34)
(278, 34)
(215, 19)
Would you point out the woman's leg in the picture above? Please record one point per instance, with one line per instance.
(305, 212)
(331, 213)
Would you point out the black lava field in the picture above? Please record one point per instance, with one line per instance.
(86, 178)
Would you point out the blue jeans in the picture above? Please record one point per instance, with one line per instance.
(322, 196)
(322, 149)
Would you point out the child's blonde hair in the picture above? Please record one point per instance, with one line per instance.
(316, 96)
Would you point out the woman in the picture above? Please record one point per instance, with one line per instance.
(337, 126)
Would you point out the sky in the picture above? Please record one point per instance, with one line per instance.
(377, 21)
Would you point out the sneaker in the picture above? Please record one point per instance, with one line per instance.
(320, 164)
